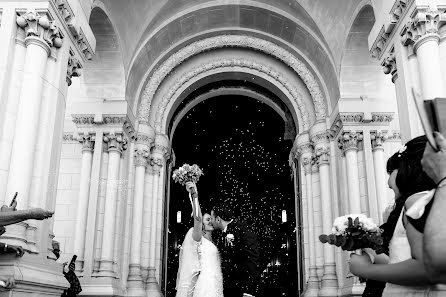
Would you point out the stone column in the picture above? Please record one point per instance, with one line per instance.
(305, 151)
(158, 160)
(11, 104)
(116, 144)
(319, 136)
(317, 218)
(41, 36)
(378, 138)
(348, 142)
(142, 152)
(84, 193)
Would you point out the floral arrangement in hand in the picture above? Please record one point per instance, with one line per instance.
(189, 173)
(355, 232)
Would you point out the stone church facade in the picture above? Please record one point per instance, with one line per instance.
(91, 93)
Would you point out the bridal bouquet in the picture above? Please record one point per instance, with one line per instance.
(355, 232)
(188, 173)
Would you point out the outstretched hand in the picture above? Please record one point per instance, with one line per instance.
(40, 214)
(18, 250)
(9, 282)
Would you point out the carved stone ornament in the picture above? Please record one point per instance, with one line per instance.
(156, 164)
(115, 142)
(74, 67)
(129, 130)
(81, 120)
(350, 140)
(394, 136)
(397, 12)
(382, 117)
(389, 65)
(115, 119)
(320, 137)
(322, 154)
(87, 141)
(141, 157)
(305, 148)
(424, 21)
(69, 137)
(240, 41)
(307, 163)
(227, 63)
(39, 25)
(378, 138)
(351, 117)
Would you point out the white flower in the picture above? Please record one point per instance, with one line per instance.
(230, 239)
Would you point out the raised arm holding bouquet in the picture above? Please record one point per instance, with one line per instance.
(189, 173)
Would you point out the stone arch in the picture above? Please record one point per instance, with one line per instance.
(361, 76)
(238, 41)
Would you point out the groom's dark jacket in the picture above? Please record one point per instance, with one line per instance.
(240, 259)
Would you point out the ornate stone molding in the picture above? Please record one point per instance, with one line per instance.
(307, 162)
(115, 142)
(394, 136)
(87, 141)
(67, 16)
(322, 155)
(351, 117)
(320, 138)
(241, 41)
(141, 157)
(378, 138)
(389, 65)
(129, 130)
(424, 22)
(41, 26)
(349, 140)
(223, 63)
(69, 137)
(382, 118)
(74, 67)
(83, 120)
(396, 14)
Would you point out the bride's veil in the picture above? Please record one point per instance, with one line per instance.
(189, 266)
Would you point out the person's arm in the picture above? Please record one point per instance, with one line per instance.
(12, 217)
(407, 273)
(197, 233)
(434, 164)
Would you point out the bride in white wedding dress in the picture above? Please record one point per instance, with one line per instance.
(199, 272)
(403, 270)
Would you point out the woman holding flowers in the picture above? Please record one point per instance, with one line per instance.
(403, 269)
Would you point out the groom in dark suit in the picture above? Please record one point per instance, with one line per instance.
(239, 252)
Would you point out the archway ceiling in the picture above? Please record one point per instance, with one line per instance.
(328, 21)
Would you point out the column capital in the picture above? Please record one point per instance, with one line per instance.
(74, 67)
(115, 142)
(378, 138)
(349, 140)
(424, 25)
(322, 155)
(141, 157)
(307, 163)
(146, 135)
(87, 141)
(39, 24)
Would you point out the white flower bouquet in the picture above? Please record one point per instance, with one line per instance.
(355, 232)
(189, 173)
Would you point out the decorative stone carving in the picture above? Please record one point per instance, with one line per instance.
(65, 10)
(69, 137)
(335, 127)
(320, 138)
(351, 117)
(307, 163)
(350, 140)
(394, 136)
(210, 66)
(397, 12)
(424, 21)
(87, 141)
(241, 41)
(74, 67)
(322, 155)
(378, 138)
(115, 142)
(383, 118)
(115, 119)
(129, 130)
(81, 120)
(141, 156)
(39, 25)
(389, 65)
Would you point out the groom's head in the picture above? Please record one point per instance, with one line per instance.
(221, 214)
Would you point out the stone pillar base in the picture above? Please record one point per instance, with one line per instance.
(329, 283)
(106, 287)
(153, 289)
(34, 276)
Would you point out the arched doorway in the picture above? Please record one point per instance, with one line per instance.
(241, 137)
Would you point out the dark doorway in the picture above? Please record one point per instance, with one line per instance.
(239, 143)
